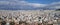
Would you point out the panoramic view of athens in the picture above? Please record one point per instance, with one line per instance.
(29, 17)
(29, 12)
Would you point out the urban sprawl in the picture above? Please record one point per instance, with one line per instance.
(29, 17)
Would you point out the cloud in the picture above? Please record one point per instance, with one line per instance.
(21, 4)
(55, 5)
(56, 2)
(37, 5)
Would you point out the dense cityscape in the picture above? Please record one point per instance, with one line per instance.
(29, 17)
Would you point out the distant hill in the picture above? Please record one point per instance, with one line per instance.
(57, 9)
(9, 7)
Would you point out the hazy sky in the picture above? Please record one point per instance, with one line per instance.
(29, 4)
